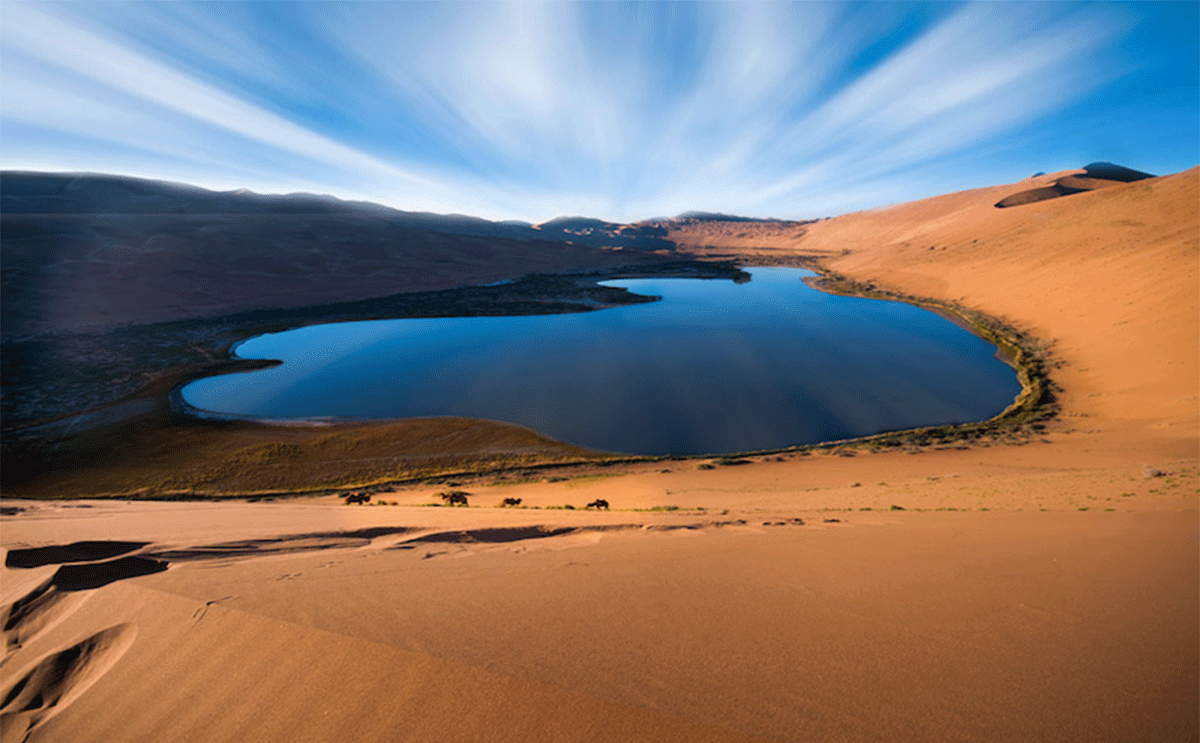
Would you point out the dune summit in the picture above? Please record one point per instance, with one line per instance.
(1096, 175)
(982, 589)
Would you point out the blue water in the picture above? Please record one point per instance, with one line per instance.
(713, 367)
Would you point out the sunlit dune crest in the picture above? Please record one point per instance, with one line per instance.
(1096, 175)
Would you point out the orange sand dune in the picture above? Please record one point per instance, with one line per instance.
(1041, 592)
(1109, 277)
(469, 624)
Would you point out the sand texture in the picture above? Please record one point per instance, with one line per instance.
(1041, 592)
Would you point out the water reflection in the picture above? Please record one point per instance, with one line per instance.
(714, 367)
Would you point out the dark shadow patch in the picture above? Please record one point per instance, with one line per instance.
(36, 557)
(29, 614)
(21, 609)
(496, 535)
(1098, 175)
(90, 575)
(1033, 195)
(292, 543)
(1111, 172)
(501, 535)
(257, 547)
(370, 532)
(43, 690)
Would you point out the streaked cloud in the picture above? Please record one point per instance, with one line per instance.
(530, 110)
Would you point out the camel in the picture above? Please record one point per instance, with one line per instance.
(455, 497)
(511, 502)
(359, 498)
(598, 504)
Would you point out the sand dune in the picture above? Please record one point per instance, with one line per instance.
(1038, 592)
(1095, 176)
(88, 252)
(619, 626)
(1108, 277)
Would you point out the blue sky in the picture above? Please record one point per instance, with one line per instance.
(615, 110)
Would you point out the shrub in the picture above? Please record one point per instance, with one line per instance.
(730, 461)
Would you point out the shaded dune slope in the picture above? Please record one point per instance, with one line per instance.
(1096, 175)
(90, 252)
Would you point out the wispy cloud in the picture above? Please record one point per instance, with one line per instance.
(534, 109)
(92, 85)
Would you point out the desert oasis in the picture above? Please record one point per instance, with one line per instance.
(281, 466)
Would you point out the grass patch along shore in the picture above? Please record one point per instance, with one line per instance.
(1029, 356)
(168, 456)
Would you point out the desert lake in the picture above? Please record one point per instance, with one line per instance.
(714, 367)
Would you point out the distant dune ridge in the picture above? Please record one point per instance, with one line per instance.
(981, 591)
(89, 252)
(1096, 175)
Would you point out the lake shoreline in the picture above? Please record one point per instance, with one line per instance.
(181, 352)
(1016, 424)
(779, 317)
